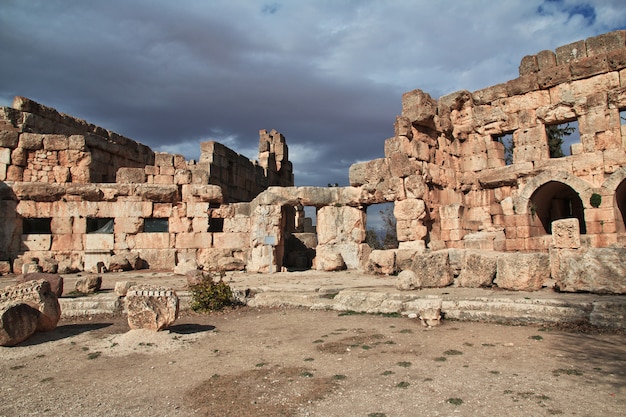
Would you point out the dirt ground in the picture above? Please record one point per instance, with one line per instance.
(297, 362)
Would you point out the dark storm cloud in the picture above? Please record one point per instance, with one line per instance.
(327, 74)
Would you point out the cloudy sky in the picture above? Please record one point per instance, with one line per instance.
(328, 74)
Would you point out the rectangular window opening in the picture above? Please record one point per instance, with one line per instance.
(622, 117)
(156, 225)
(561, 137)
(38, 226)
(99, 225)
(216, 224)
(506, 139)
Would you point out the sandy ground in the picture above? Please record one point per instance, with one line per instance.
(297, 362)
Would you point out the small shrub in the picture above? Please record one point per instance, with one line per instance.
(595, 200)
(455, 401)
(452, 352)
(339, 377)
(404, 364)
(93, 355)
(211, 295)
(403, 384)
(535, 337)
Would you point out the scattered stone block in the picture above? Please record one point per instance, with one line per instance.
(382, 262)
(39, 296)
(55, 280)
(152, 308)
(566, 234)
(407, 280)
(18, 321)
(119, 263)
(89, 284)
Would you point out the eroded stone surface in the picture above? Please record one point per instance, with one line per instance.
(39, 296)
(152, 308)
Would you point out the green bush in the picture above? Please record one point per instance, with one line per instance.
(595, 200)
(211, 295)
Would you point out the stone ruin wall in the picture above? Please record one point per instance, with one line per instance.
(50, 167)
(444, 170)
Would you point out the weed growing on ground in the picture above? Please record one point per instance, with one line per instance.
(210, 295)
(388, 373)
(441, 359)
(306, 374)
(404, 364)
(559, 372)
(536, 337)
(452, 352)
(339, 377)
(309, 359)
(402, 384)
(93, 355)
(377, 415)
(454, 401)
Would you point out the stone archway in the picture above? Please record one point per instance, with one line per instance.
(555, 200)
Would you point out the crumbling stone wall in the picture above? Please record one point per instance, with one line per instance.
(90, 194)
(445, 167)
(39, 144)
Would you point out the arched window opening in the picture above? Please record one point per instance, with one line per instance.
(620, 200)
(554, 201)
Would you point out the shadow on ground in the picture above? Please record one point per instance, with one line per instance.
(63, 332)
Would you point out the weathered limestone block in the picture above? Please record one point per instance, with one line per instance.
(259, 259)
(130, 175)
(432, 270)
(55, 280)
(478, 269)
(18, 321)
(415, 187)
(231, 263)
(407, 280)
(566, 234)
(409, 209)
(202, 192)
(89, 284)
(30, 141)
(596, 270)
(329, 258)
(121, 287)
(419, 107)
(522, 271)
(186, 266)
(152, 308)
(410, 230)
(382, 262)
(119, 263)
(370, 172)
(340, 224)
(39, 296)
